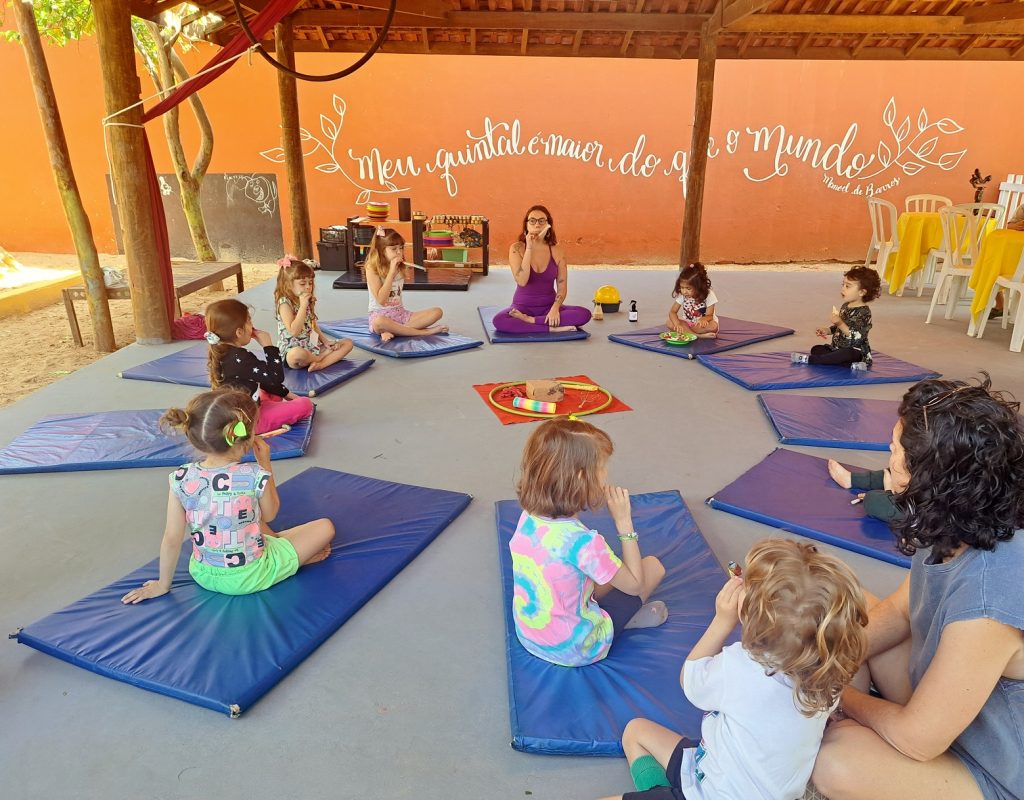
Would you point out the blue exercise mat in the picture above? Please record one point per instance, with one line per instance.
(582, 711)
(732, 333)
(224, 652)
(496, 337)
(793, 492)
(850, 422)
(118, 440)
(358, 330)
(188, 368)
(776, 371)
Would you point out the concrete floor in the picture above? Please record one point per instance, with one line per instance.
(409, 698)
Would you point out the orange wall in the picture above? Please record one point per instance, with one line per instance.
(408, 108)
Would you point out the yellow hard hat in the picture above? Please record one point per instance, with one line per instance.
(607, 294)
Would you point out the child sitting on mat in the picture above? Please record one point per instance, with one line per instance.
(384, 280)
(299, 338)
(229, 330)
(225, 505)
(693, 303)
(572, 594)
(767, 697)
(879, 487)
(850, 324)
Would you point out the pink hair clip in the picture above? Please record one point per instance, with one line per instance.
(286, 261)
(380, 231)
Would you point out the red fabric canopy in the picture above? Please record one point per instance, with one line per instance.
(261, 23)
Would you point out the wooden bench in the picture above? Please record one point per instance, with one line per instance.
(189, 277)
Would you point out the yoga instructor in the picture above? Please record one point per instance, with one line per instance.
(945, 650)
(542, 279)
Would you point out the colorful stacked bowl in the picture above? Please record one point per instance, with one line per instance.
(378, 210)
(437, 239)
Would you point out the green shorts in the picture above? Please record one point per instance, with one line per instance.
(279, 561)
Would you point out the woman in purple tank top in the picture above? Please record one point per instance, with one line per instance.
(538, 265)
(945, 650)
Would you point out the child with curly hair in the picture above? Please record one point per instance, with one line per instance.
(768, 696)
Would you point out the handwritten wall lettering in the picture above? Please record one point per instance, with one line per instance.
(766, 152)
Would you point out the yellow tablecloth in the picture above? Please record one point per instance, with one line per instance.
(919, 232)
(999, 256)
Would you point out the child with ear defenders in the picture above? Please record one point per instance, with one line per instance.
(224, 505)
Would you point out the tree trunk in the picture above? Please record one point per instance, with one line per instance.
(130, 165)
(190, 180)
(690, 250)
(60, 162)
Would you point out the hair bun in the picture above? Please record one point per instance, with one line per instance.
(176, 418)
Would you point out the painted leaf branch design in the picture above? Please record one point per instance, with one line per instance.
(913, 153)
(327, 141)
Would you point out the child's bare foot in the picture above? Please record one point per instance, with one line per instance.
(708, 335)
(436, 330)
(561, 328)
(386, 336)
(321, 556)
(515, 313)
(839, 473)
(314, 365)
(650, 615)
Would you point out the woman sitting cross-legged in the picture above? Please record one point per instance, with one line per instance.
(945, 650)
(538, 266)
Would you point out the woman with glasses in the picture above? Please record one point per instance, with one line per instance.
(945, 651)
(542, 280)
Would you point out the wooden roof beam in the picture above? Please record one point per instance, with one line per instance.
(739, 10)
(993, 13)
(525, 41)
(868, 53)
(916, 43)
(571, 20)
(868, 23)
(361, 18)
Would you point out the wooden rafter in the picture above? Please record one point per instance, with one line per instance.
(739, 10)
(867, 23)
(916, 43)
(993, 13)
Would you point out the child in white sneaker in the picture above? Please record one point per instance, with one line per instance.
(850, 324)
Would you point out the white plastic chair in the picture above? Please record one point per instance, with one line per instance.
(926, 202)
(1014, 287)
(1011, 195)
(963, 228)
(937, 255)
(884, 239)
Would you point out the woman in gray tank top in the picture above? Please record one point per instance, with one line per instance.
(946, 649)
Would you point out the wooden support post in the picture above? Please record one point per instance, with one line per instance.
(67, 186)
(127, 150)
(698, 161)
(298, 200)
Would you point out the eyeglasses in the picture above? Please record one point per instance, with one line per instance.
(941, 398)
(537, 220)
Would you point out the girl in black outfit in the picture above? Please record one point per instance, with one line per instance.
(850, 324)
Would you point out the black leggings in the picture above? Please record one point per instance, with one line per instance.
(823, 354)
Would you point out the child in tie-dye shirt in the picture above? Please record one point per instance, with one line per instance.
(571, 592)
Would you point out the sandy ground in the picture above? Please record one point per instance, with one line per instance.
(48, 352)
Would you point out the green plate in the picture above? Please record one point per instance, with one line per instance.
(677, 339)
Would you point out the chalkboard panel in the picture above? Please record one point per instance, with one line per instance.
(242, 212)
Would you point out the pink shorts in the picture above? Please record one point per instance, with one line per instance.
(397, 313)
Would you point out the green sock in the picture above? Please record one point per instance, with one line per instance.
(647, 773)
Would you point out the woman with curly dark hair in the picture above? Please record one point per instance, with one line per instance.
(945, 650)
